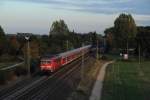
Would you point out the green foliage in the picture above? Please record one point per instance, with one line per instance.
(123, 33)
(93, 37)
(21, 39)
(59, 27)
(58, 35)
(109, 35)
(143, 39)
(61, 39)
(124, 30)
(2, 41)
(44, 47)
(109, 30)
(2, 33)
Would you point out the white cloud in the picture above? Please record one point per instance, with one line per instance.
(76, 14)
(142, 20)
(88, 22)
(141, 17)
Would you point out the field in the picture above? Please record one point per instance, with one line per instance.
(126, 80)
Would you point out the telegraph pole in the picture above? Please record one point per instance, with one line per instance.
(67, 44)
(127, 48)
(104, 47)
(139, 54)
(28, 55)
(97, 56)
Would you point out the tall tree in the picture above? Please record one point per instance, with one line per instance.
(143, 39)
(124, 31)
(93, 37)
(109, 35)
(59, 27)
(2, 40)
(59, 35)
(13, 45)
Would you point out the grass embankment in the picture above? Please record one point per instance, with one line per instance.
(127, 80)
(6, 76)
(9, 74)
(84, 88)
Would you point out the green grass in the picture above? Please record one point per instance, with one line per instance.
(127, 81)
(113, 56)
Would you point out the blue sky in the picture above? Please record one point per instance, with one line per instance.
(36, 16)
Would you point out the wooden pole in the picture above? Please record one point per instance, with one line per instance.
(139, 54)
(97, 56)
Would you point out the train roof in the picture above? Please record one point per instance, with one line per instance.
(65, 53)
(75, 50)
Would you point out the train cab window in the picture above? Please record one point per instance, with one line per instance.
(45, 62)
(48, 62)
(42, 62)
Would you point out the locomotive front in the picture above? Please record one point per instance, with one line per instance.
(45, 64)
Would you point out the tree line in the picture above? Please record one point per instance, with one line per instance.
(126, 35)
(59, 39)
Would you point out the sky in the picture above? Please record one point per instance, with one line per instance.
(82, 16)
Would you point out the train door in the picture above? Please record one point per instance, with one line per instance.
(57, 63)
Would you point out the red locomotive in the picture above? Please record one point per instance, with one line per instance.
(55, 62)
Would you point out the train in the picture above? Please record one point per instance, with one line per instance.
(51, 64)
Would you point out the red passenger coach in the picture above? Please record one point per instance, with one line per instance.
(63, 60)
(54, 63)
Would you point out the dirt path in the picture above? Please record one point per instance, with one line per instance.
(97, 89)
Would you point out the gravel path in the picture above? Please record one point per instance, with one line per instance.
(97, 89)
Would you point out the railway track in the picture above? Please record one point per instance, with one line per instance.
(57, 85)
(46, 87)
(39, 92)
(4, 93)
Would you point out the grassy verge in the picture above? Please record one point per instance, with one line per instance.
(84, 88)
(127, 81)
(9, 75)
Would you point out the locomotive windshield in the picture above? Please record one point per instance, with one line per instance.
(45, 62)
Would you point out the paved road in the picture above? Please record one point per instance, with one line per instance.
(97, 89)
